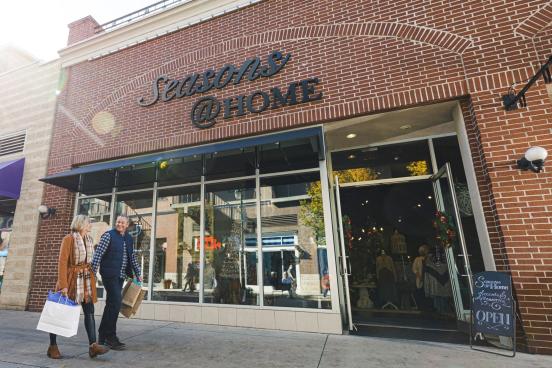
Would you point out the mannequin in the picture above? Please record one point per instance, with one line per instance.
(418, 269)
(398, 243)
(387, 276)
(398, 246)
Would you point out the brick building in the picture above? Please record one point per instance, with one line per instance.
(265, 149)
(27, 107)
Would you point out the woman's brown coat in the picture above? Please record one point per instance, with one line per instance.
(67, 270)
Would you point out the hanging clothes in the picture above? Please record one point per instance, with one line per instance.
(398, 243)
(436, 277)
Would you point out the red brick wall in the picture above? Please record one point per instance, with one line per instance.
(370, 56)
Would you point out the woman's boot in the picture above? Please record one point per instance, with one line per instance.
(53, 352)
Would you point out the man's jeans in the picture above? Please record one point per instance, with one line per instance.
(108, 327)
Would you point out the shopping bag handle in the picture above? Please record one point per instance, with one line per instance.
(61, 299)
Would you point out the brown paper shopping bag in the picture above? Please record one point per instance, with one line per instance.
(131, 292)
(129, 311)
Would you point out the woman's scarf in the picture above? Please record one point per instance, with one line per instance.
(83, 250)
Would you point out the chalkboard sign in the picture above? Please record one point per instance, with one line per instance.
(493, 304)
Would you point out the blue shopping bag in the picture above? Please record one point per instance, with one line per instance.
(60, 315)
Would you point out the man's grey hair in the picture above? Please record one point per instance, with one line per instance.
(125, 217)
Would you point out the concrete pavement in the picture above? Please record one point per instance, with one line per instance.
(171, 344)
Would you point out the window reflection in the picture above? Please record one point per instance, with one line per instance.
(136, 177)
(99, 211)
(383, 162)
(180, 170)
(230, 164)
(289, 155)
(177, 249)
(230, 269)
(295, 267)
(98, 182)
(138, 207)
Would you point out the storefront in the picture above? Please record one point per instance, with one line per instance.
(296, 177)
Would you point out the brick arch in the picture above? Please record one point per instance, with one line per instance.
(444, 40)
(536, 22)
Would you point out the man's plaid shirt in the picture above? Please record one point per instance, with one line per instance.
(100, 250)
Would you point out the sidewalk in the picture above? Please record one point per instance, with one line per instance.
(171, 344)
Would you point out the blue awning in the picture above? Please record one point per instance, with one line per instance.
(11, 175)
(70, 179)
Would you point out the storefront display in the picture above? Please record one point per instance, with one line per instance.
(283, 168)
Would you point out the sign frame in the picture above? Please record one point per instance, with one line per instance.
(474, 311)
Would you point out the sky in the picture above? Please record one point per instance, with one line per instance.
(40, 26)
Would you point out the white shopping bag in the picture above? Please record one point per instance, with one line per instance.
(60, 316)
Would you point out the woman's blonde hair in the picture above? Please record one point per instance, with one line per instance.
(79, 222)
(423, 250)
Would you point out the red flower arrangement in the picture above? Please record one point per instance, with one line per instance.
(446, 231)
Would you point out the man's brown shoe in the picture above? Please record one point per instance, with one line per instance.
(53, 352)
(96, 349)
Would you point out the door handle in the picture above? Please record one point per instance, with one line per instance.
(348, 265)
(341, 267)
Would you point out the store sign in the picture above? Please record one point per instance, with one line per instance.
(493, 304)
(206, 110)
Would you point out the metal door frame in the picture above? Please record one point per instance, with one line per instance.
(345, 269)
(445, 171)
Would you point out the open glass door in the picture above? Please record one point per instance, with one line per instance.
(343, 257)
(456, 254)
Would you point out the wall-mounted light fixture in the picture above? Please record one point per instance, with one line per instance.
(46, 211)
(533, 159)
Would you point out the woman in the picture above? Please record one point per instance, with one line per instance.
(77, 281)
(287, 283)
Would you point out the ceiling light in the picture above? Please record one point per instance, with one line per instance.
(405, 126)
(351, 157)
(351, 135)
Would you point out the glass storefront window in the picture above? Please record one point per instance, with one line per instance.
(382, 162)
(99, 211)
(295, 267)
(288, 155)
(138, 207)
(230, 164)
(177, 245)
(293, 241)
(136, 177)
(98, 182)
(230, 268)
(180, 170)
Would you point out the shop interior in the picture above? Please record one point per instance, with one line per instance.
(403, 272)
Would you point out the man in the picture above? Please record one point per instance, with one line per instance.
(114, 256)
